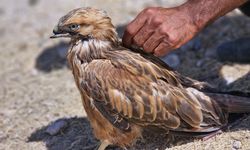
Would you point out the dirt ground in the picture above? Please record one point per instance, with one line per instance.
(37, 89)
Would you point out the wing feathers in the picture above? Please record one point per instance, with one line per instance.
(138, 107)
(137, 90)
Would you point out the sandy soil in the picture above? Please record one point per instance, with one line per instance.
(37, 89)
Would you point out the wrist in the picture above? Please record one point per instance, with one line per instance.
(204, 12)
(188, 12)
(197, 15)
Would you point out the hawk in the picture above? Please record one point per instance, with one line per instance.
(126, 90)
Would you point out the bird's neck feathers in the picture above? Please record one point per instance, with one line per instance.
(105, 31)
(88, 50)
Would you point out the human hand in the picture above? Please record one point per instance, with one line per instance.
(160, 30)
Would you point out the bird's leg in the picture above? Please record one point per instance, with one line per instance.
(103, 145)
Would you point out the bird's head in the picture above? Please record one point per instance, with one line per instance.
(86, 23)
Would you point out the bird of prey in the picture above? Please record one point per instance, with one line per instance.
(125, 90)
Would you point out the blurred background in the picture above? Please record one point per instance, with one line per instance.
(40, 107)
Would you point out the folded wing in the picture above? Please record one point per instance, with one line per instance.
(127, 91)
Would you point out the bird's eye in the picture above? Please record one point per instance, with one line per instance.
(74, 26)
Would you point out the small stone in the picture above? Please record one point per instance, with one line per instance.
(1, 11)
(56, 127)
(33, 2)
(236, 145)
(210, 53)
(172, 60)
(34, 72)
(199, 63)
(231, 73)
(194, 44)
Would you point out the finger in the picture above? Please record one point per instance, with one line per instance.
(162, 49)
(132, 29)
(142, 35)
(152, 42)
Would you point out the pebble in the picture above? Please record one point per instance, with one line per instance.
(56, 127)
(236, 145)
(34, 72)
(1, 11)
(194, 44)
(172, 60)
(33, 2)
(199, 63)
(231, 73)
(210, 53)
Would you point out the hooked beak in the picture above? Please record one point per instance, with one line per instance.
(58, 33)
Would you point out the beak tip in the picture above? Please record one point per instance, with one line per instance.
(55, 32)
(52, 37)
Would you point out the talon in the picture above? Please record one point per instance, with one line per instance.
(102, 145)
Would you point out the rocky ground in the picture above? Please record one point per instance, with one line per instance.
(40, 107)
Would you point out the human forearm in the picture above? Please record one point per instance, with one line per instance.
(204, 12)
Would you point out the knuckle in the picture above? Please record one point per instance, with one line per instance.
(161, 52)
(177, 46)
(149, 11)
(170, 39)
(173, 40)
(136, 40)
(157, 20)
(129, 30)
(147, 48)
(158, 52)
(163, 30)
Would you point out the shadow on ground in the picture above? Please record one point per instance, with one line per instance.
(77, 135)
(53, 58)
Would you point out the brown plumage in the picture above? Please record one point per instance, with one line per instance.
(124, 91)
